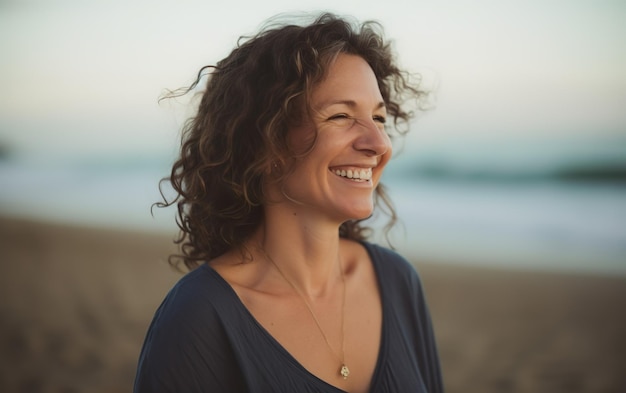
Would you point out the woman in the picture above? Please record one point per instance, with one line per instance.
(277, 170)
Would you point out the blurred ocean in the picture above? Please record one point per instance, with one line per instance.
(559, 207)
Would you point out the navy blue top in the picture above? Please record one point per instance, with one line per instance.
(203, 339)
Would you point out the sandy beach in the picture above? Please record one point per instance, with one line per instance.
(75, 304)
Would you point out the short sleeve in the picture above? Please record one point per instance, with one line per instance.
(428, 355)
(405, 300)
(186, 348)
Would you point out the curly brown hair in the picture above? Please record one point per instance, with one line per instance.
(252, 98)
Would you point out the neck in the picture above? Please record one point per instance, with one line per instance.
(305, 250)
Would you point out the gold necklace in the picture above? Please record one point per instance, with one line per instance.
(343, 370)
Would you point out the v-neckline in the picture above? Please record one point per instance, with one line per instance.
(382, 349)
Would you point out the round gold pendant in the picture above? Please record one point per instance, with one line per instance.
(344, 371)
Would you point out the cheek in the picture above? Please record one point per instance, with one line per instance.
(384, 159)
(389, 151)
(300, 139)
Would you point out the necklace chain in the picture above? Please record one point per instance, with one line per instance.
(343, 370)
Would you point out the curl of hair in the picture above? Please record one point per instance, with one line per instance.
(252, 98)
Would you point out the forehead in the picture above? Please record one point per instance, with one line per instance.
(349, 80)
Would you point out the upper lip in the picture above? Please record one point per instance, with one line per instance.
(359, 166)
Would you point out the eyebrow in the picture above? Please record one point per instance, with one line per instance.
(349, 103)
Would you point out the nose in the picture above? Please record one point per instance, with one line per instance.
(373, 140)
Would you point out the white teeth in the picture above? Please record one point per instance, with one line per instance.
(363, 174)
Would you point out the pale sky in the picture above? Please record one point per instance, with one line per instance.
(83, 77)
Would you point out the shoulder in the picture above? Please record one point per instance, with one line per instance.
(396, 275)
(389, 262)
(192, 288)
(381, 257)
(386, 255)
(193, 297)
(187, 345)
(403, 297)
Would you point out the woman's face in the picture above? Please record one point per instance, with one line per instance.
(338, 176)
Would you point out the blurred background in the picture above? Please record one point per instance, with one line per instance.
(519, 165)
(521, 160)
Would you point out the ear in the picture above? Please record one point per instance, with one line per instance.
(273, 169)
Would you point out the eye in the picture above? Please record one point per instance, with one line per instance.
(380, 119)
(339, 116)
(342, 120)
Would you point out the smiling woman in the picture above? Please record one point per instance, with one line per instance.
(337, 176)
(277, 171)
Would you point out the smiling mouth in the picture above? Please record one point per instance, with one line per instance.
(357, 174)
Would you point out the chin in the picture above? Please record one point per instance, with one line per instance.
(361, 214)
